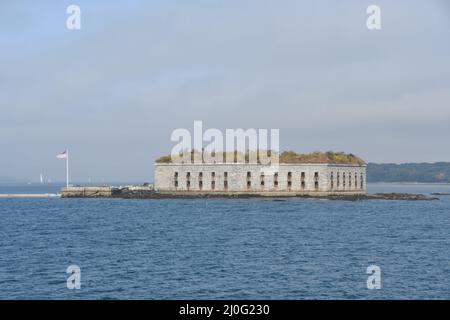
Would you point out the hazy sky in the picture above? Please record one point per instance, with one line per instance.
(114, 91)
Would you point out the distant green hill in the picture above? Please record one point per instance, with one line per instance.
(409, 172)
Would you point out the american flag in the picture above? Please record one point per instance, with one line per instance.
(62, 155)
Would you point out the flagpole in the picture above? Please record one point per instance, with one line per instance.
(67, 168)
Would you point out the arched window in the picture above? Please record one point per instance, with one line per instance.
(175, 179)
(332, 180)
(225, 180)
(302, 180)
(289, 180)
(188, 180)
(361, 181)
(316, 180)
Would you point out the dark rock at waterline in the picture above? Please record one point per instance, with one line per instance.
(378, 196)
(393, 196)
(148, 193)
(133, 194)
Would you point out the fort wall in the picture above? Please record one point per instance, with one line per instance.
(254, 178)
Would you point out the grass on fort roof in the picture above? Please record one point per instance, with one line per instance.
(292, 157)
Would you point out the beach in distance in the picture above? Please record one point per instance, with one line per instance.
(225, 248)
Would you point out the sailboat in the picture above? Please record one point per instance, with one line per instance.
(42, 179)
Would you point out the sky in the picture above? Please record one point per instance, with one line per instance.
(113, 91)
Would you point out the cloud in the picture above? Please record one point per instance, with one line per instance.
(114, 91)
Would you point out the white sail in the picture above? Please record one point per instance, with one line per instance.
(42, 179)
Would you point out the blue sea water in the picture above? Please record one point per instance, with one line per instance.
(223, 248)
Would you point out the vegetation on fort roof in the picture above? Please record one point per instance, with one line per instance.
(320, 157)
(285, 157)
(164, 159)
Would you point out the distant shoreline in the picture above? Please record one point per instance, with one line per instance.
(438, 172)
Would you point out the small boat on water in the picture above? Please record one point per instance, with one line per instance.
(54, 195)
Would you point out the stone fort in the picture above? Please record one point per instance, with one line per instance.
(317, 174)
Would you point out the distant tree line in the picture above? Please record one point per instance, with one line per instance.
(409, 172)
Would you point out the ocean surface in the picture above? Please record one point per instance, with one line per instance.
(223, 248)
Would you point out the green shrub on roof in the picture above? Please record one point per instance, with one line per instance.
(293, 157)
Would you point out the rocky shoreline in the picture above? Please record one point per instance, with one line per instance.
(387, 196)
(136, 194)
